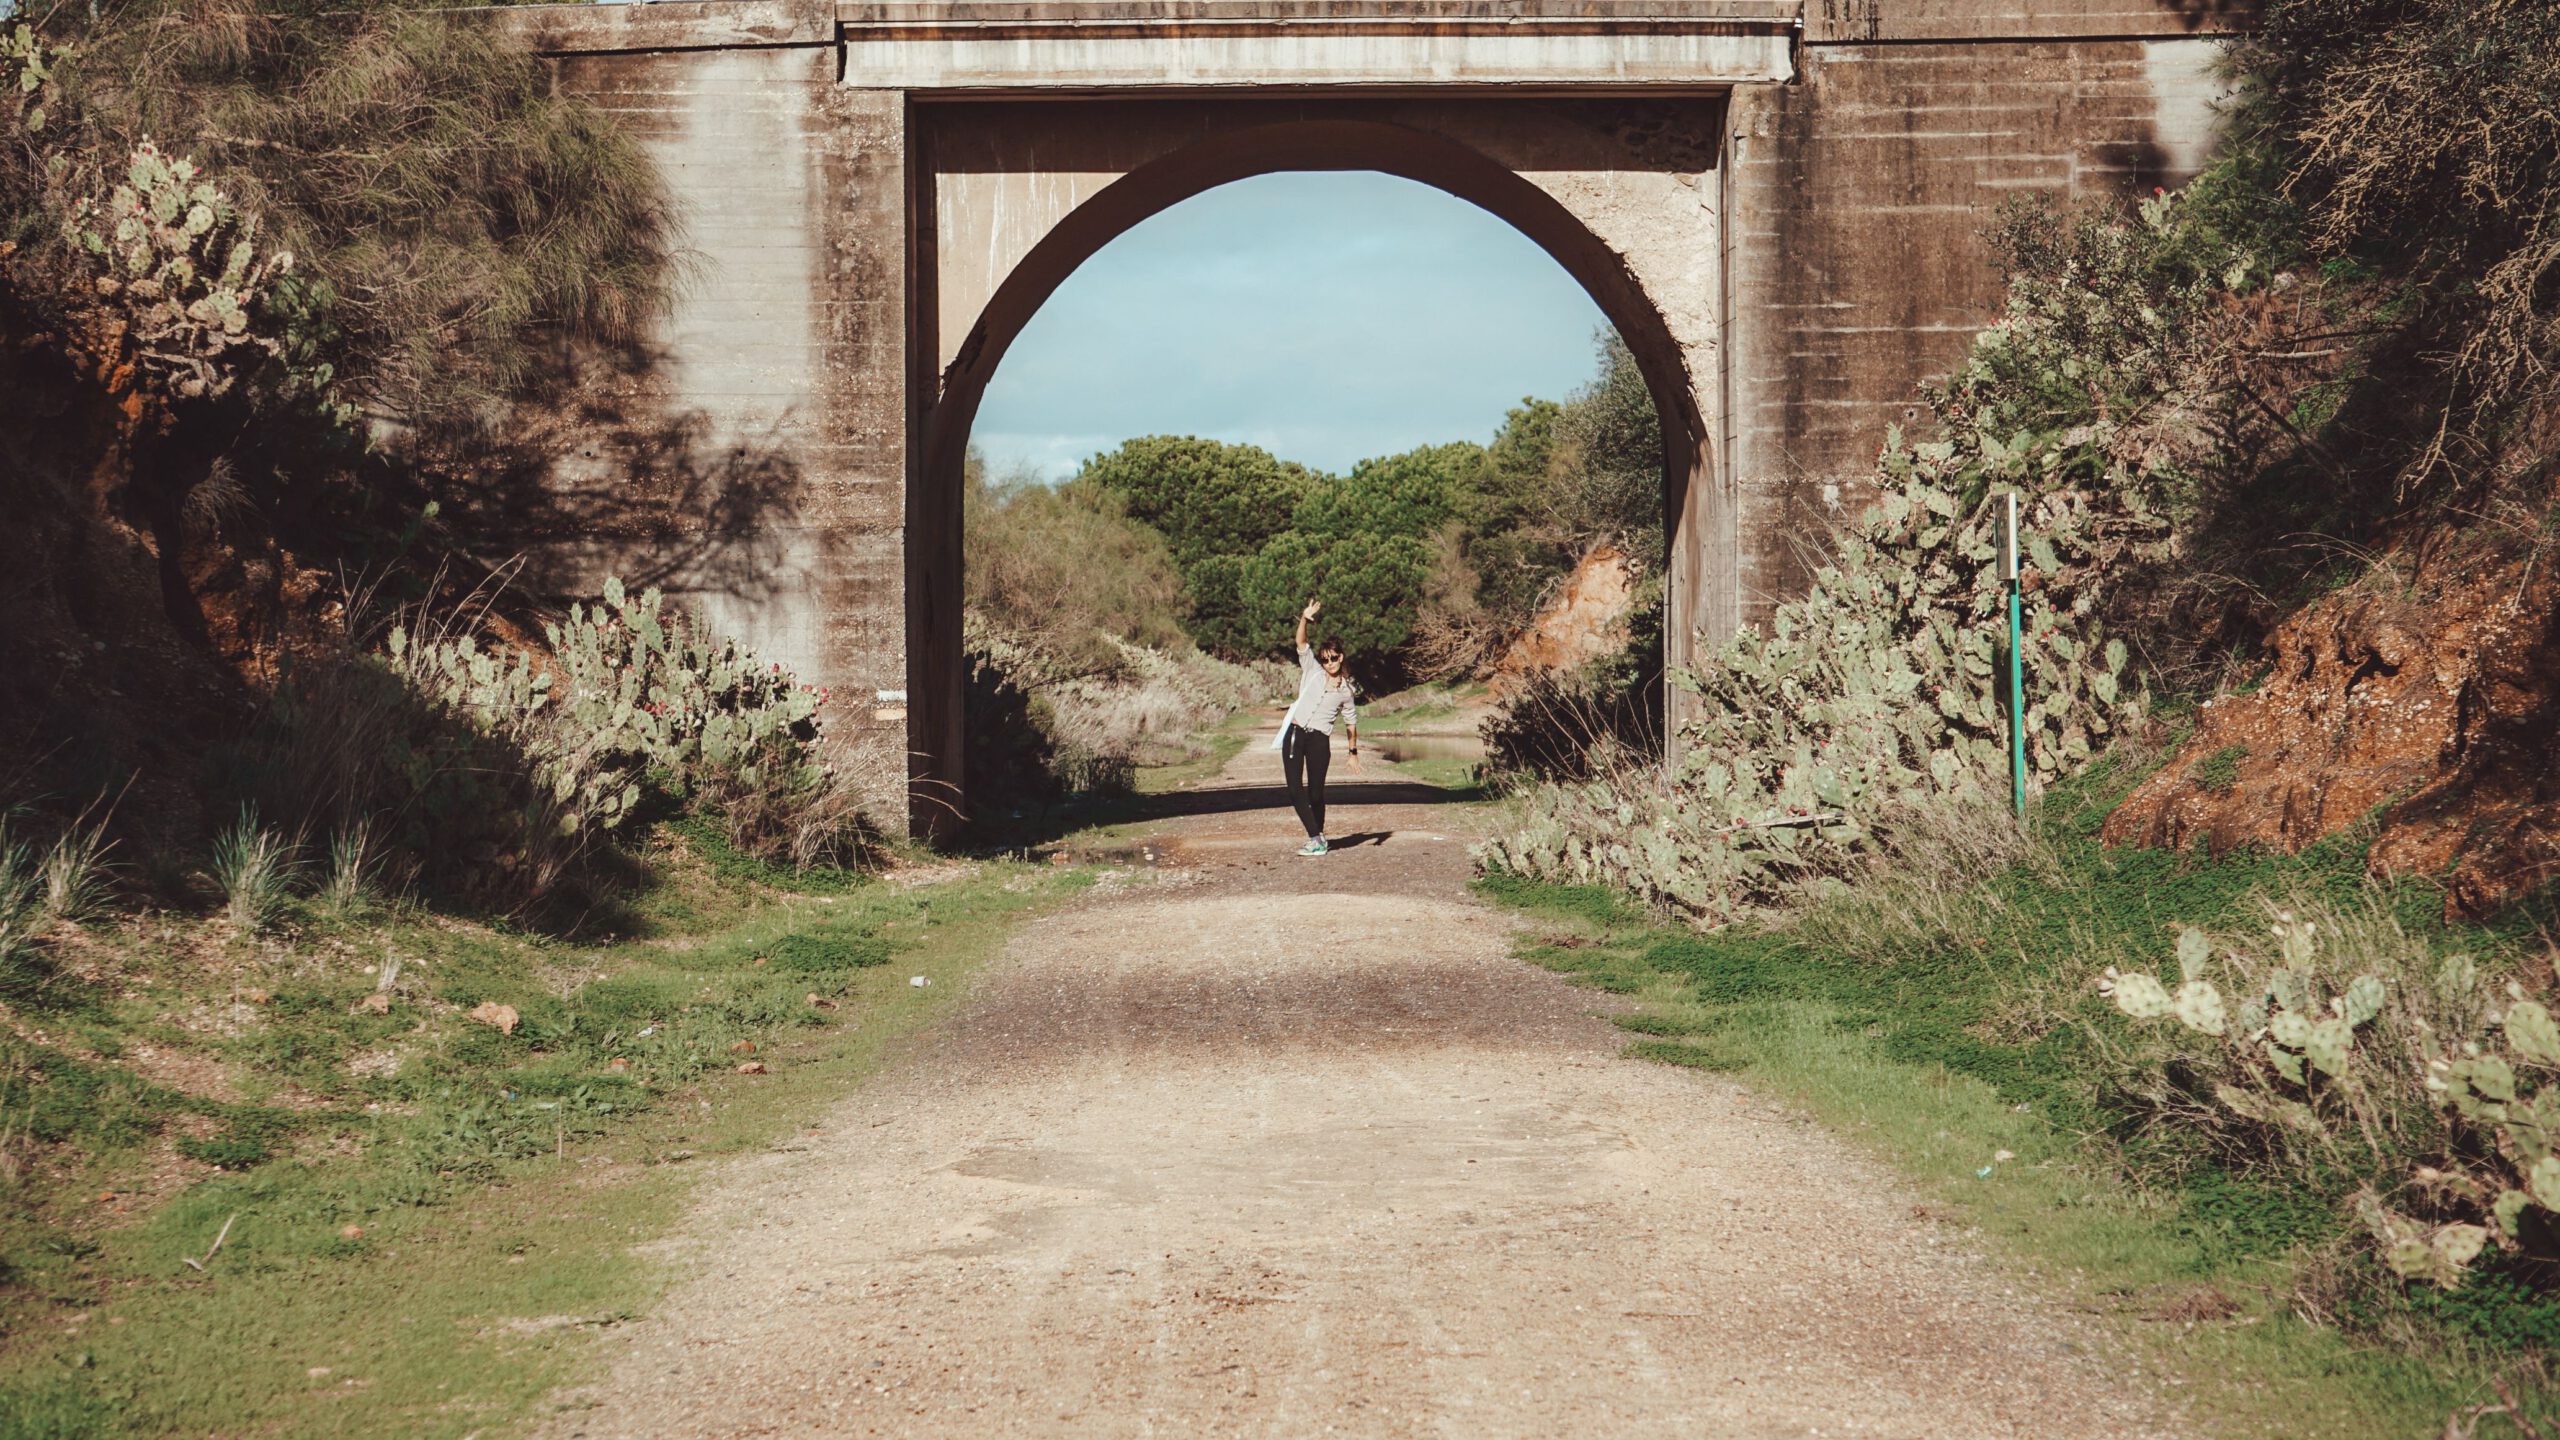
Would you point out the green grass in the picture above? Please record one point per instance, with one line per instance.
(497, 1191)
(1214, 748)
(2218, 772)
(1941, 1044)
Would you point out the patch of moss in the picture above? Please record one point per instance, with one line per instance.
(2216, 773)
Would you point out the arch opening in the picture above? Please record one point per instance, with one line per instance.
(1296, 144)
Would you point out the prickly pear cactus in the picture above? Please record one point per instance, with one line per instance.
(26, 75)
(186, 266)
(631, 695)
(2320, 1062)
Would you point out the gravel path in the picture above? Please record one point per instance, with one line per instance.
(1280, 1147)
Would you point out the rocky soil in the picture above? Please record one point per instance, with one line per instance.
(2425, 698)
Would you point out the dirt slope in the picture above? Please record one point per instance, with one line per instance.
(1279, 1147)
(2425, 701)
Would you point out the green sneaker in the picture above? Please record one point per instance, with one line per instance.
(1314, 847)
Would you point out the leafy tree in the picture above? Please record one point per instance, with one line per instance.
(1414, 493)
(1605, 480)
(1216, 505)
(1371, 585)
(1206, 496)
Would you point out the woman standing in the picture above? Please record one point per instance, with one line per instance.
(1325, 690)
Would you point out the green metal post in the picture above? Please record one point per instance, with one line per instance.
(2017, 664)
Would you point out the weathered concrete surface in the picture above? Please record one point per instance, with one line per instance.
(1786, 259)
(750, 458)
(1015, 48)
(1857, 258)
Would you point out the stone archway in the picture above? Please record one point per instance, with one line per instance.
(1022, 194)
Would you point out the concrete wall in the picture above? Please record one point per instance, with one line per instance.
(750, 459)
(1857, 259)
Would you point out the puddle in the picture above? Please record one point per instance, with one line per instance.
(1398, 748)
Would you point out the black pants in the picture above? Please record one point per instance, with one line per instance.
(1304, 757)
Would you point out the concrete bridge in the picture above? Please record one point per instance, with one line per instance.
(1779, 206)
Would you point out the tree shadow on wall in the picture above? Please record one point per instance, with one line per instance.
(605, 475)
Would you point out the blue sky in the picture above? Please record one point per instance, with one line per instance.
(1326, 317)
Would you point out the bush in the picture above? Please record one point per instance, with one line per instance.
(1876, 692)
(1568, 725)
(2419, 137)
(493, 770)
(1065, 570)
(2348, 1054)
(1035, 735)
(452, 219)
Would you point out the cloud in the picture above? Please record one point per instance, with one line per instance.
(1325, 316)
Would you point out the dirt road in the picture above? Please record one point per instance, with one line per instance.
(1283, 1147)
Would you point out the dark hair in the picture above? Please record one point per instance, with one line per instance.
(1332, 644)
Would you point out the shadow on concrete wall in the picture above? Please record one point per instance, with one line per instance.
(602, 476)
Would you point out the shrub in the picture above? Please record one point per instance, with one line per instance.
(22, 917)
(252, 867)
(452, 217)
(493, 770)
(1874, 693)
(1564, 725)
(1065, 570)
(1037, 731)
(2343, 1053)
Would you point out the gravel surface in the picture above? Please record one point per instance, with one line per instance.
(1284, 1147)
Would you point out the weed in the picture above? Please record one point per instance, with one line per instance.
(75, 873)
(351, 866)
(21, 917)
(819, 953)
(252, 866)
(2216, 773)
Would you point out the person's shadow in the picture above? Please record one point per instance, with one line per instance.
(1365, 837)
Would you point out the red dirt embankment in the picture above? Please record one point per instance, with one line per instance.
(1585, 619)
(2425, 698)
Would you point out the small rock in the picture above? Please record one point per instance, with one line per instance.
(752, 1067)
(351, 1232)
(919, 981)
(759, 959)
(317, 1371)
(490, 1012)
(617, 1065)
